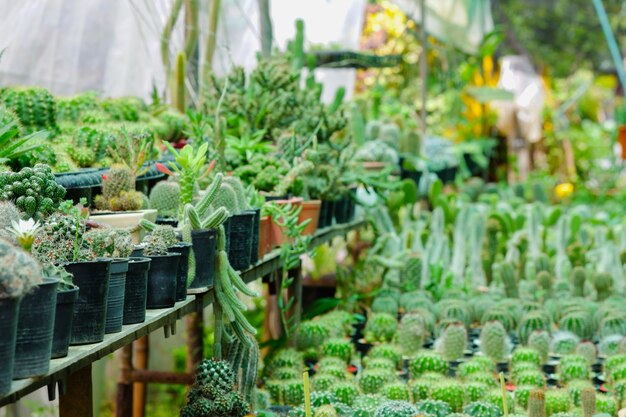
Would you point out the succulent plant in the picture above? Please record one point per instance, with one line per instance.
(501, 314)
(614, 323)
(396, 391)
(396, 409)
(339, 348)
(494, 342)
(34, 191)
(450, 392)
(109, 243)
(564, 343)
(474, 365)
(381, 327)
(609, 345)
(522, 354)
(573, 371)
(603, 283)
(345, 392)
(154, 246)
(557, 401)
(319, 398)
(531, 378)
(486, 378)
(452, 342)
(606, 404)
(578, 278)
(539, 340)
(165, 198)
(508, 277)
(577, 323)
(371, 381)
(385, 304)
(379, 363)
(534, 320)
(473, 391)
(522, 394)
(435, 408)
(8, 215)
(386, 351)
(482, 409)
(35, 107)
(427, 361)
(324, 382)
(286, 392)
(20, 273)
(312, 333)
(118, 191)
(537, 403)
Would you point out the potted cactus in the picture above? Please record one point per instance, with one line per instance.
(20, 274)
(165, 199)
(162, 276)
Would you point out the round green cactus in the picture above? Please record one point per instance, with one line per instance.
(433, 408)
(564, 343)
(345, 392)
(575, 388)
(396, 391)
(557, 401)
(474, 391)
(388, 351)
(614, 323)
(534, 320)
(603, 283)
(338, 348)
(486, 378)
(165, 198)
(519, 367)
(411, 333)
(420, 389)
(427, 361)
(326, 411)
(609, 345)
(494, 396)
(456, 310)
(540, 341)
(35, 107)
(452, 342)
(324, 382)
(530, 355)
(287, 358)
(577, 323)
(450, 392)
(379, 363)
(371, 381)
(482, 409)
(474, 365)
(216, 373)
(381, 327)
(494, 342)
(588, 350)
(532, 378)
(385, 304)
(396, 409)
(20, 273)
(312, 334)
(502, 315)
(286, 392)
(522, 394)
(319, 398)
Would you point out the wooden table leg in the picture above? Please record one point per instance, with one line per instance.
(124, 399)
(142, 350)
(78, 399)
(195, 342)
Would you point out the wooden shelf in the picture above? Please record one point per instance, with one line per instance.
(82, 356)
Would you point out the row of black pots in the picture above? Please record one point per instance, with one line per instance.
(242, 238)
(339, 211)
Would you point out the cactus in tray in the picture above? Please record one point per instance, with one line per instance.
(396, 391)
(411, 333)
(588, 401)
(165, 198)
(494, 342)
(427, 361)
(482, 409)
(577, 322)
(34, 191)
(35, 107)
(339, 348)
(531, 321)
(537, 403)
(578, 278)
(452, 342)
(381, 327)
(557, 401)
(539, 340)
(435, 408)
(312, 334)
(396, 409)
(371, 381)
(523, 354)
(449, 391)
(606, 405)
(345, 392)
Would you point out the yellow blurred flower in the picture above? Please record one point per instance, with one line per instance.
(564, 190)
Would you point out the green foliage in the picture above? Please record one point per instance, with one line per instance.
(33, 190)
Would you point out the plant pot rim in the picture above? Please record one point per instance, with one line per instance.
(182, 245)
(287, 201)
(138, 259)
(68, 290)
(169, 255)
(119, 260)
(93, 261)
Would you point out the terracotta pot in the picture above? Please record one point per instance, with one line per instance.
(310, 210)
(277, 231)
(374, 165)
(265, 236)
(621, 135)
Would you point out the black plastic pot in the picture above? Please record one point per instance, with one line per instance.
(9, 310)
(254, 253)
(92, 277)
(115, 301)
(240, 248)
(162, 277)
(35, 326)
(341, 209)
(328, 210)
(447, 174)
(136, 290)
(76, 194)
(66, 300)
(184, 249)
(137, 252)
(204, 242)
(321, 223)
(167, 221)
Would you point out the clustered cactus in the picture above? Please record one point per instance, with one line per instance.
(118, 191)
(19, 273)
(34, 191)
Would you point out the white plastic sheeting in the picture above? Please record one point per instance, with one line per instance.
(462, 23)
(112, 46)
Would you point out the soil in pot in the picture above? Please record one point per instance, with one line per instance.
(136, 290)
(66, 299)
(240, 248)
(310, 211)
(92, 277)
(204, 242)
(115, 301)
(162, 276)
(35, 326)
(9, 310)
(183, 269)
(256, 226)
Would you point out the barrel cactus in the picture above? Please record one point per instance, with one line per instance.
(557, 401)
(339, 348)
(452, 342)
(435, 408)
(396, 409)
(381, 327)
(427, 361)
(494, 342)
(165, 198)
(482, 409)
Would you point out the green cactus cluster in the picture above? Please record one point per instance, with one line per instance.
(109, 243)
(35, 107)
(372, 381)
(34, 191)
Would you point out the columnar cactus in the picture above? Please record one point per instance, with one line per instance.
(433, 408)
(494, 342)
(381, 327)
(427, 361)
(539, 340)
(486, 378)
(603, 283)
(578, 277)
(411, 333)
(557, 401)
(508, 276)
(411, 274)
(452, 342)
(588, 402)
(537, 403)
